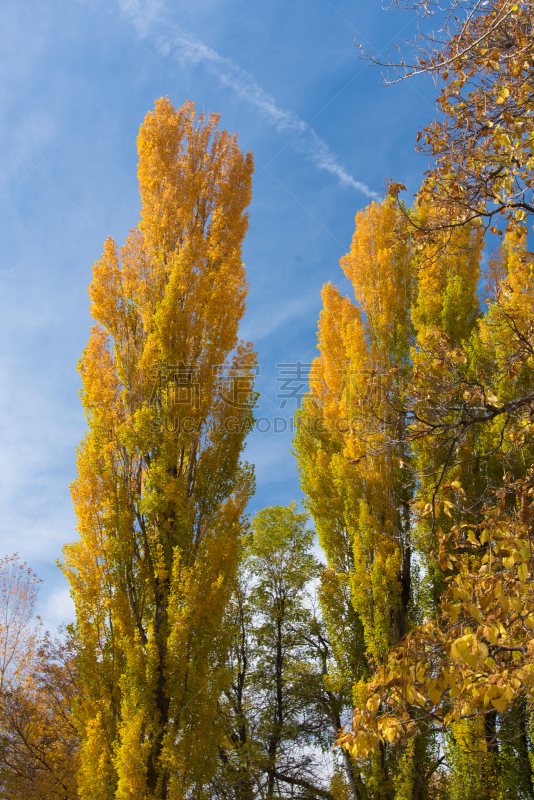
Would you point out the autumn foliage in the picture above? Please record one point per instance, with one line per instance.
(38, 737)
(161, 491)
(415, 453)
(213, 658)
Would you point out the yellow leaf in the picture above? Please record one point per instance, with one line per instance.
(433, 693)
(522, 572)
(373, 703)
(499, 703)
(418, 697)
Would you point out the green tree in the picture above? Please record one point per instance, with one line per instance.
(280, 716)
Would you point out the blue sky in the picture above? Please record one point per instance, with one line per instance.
(78, 77)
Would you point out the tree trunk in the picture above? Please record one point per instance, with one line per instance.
(274, 739)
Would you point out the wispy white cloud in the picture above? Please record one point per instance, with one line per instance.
(144, 14)
(230, 74)
(266, 321)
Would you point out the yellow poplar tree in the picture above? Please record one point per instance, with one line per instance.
(356, 492)
(373, 447)
(465, 666)
(351, 482)
(161, 491)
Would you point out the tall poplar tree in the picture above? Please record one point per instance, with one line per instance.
(415, 452)
(356, 491)
(384, 476)
(353, 486)
(468, 667)
(161, 491)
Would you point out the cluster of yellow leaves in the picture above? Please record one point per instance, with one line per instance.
(484, 142)
(477, 656)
